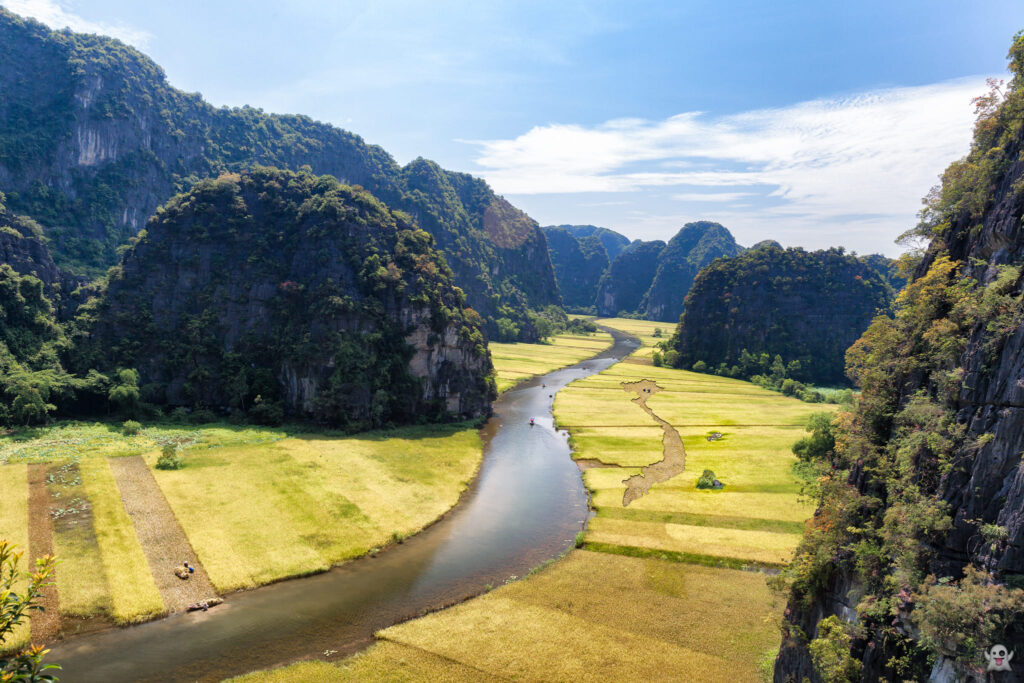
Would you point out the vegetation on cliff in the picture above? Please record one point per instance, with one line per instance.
(919, 529)
(695, 246)
(784, 313)
(271, 293)
(93, 139)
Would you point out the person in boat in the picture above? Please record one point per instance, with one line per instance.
(531, 421)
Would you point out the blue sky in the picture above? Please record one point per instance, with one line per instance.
(813, 123)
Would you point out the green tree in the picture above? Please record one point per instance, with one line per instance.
(125, 392)
(830, 652)
(821, 443)
(26, 664)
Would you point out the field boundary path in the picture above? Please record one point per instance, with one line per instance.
(673, 460)
(45, 623)
(163, 540)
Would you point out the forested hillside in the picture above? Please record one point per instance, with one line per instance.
(579, 263)
(275, 293)
(805, 307)
(693, 247)
(93, 139)
(914, 563)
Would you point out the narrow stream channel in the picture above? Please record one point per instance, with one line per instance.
(526, 506)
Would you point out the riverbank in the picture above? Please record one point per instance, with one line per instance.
(656, 593)
(251, 506)
(526, 506)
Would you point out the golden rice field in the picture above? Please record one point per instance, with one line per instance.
(320, 500)
(14, 529)
(589, 617)
(257, 504)
(516, 362)
(644, 330)
(758, 517)
(645, 607)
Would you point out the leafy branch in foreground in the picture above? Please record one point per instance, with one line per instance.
(26, 664)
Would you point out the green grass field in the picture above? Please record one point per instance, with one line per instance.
(515, 362)
(591, 616)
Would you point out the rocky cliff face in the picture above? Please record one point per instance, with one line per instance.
(579, 263)
(93, 139)
(271, 288)
(926, 557)
(613, 242)
(628, 278)
(804, 306)
(693, 247)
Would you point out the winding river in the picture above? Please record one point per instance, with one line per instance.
(525, 506)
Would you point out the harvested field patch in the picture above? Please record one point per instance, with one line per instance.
(46, 623)
(162, 539)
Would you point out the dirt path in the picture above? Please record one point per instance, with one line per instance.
(44, 624)
(674, 460)
(162, 538)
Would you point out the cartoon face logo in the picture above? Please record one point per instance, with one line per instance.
(998, 658)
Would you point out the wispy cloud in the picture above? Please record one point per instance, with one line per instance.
(57, 14)
(713, 196)
(858, 163)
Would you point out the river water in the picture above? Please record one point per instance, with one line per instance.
(525, 506)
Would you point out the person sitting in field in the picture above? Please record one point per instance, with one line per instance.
(191, 570)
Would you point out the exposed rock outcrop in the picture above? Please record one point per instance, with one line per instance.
(693, 247)
(274, 288)
(93, 139)
(931, 457)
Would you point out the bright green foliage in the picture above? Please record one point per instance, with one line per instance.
(15, 605)
(706, 480)
(830, 652)
(961, 620)
(822, 441)
(170, 458)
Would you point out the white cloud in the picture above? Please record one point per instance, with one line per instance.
(842, 166)
(712, 197)
(57, 14)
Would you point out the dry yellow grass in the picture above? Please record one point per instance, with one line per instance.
(767, 547)
(383, 662)
(133, 593)
(515, 362)
(261, 513)
(757, 516)
(644, 330)
(599, 617)
(14, 529)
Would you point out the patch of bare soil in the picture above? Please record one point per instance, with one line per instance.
(162, 538)
(591, 463)
(674, 460)
(45, 624)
